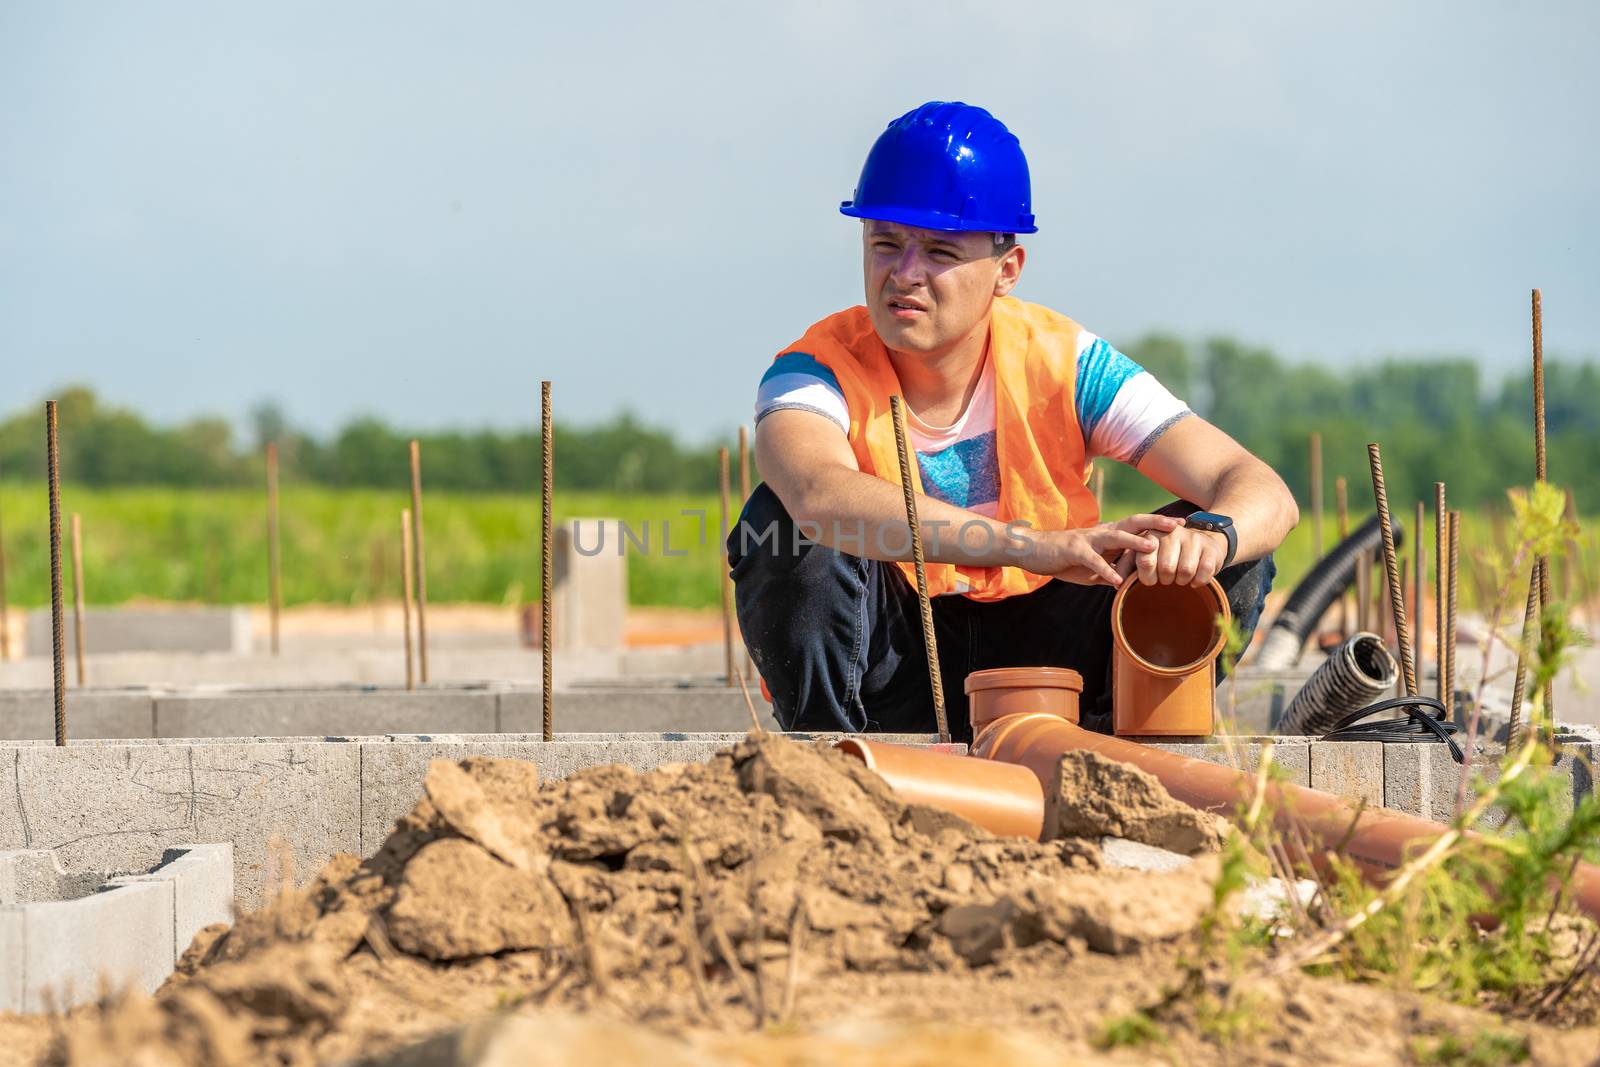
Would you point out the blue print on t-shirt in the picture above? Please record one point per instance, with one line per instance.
(966, 474)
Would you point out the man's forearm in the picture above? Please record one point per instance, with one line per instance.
(1262, 510)
(865, 516)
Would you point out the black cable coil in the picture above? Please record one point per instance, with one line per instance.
(1418, 727)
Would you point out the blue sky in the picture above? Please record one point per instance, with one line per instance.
(419, 210)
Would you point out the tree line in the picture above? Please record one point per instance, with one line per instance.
(1437, 419)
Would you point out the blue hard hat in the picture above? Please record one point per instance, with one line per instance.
(946, 166)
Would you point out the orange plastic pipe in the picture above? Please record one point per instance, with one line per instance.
(1002, 798)
(1378, 842)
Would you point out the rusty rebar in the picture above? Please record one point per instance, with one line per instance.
(406, 594)
(547, 582)
(420, 561)
(1530, 615)
(77, 595)
(1441, 577)
(929, 642)
(1450, 613)
(1316, 497)
(1419, 577)
(1098, 482)
(725, 585)
(1391, 567)
(274, 577)
(57, 613)
(744, 465)
(1341, 503)
(1540, 474)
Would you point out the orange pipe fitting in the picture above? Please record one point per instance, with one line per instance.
(1007, 690)
(1002, 798)
(1165, 643)
(1379, 842)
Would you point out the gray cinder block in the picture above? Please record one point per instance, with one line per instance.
(286, 807)
(334, 714)
(1292, 754)
(1349, 769)
(174, 629)
(62, 946)
(31, 713)
(635, 709)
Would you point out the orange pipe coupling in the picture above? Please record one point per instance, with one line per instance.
(1002, 798)
(1165, 641)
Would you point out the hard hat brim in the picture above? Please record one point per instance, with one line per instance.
(934, 220)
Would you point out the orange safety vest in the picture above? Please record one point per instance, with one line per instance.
(1038, 444)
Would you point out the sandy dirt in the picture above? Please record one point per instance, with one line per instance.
(775, 904)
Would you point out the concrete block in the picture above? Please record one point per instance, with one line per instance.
(1292, 754)
(31, 713)
(13, 943)
(1349, 769)
(268, 713)
(201, 877)
(35, 874)
(1422, 780)
(637, 709)
(1122, 854)
(173, 629)
(287, 807)
(122, 937)
(590, 602)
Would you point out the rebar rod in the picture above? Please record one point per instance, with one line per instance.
(274, 577)
(1540, 474)
(744, 464)
(420, 561)
(406, 594)
(57, 615)
(1316, 497)
(1098, 478)
(725, 585)
(1450, 613)
(1391, 566)
(1341, 500)
(547, 468)
(930, 643)
(1530, 615)
(1441, 577)
(77, 596)
(1419, 572)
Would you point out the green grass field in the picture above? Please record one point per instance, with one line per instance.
(339, 546)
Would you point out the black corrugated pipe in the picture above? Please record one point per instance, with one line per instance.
(1358, 672)
(1317, 591)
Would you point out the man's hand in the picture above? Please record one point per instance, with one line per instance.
(1085, 556)
(1182, 557)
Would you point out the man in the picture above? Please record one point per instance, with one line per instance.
(1006, 404)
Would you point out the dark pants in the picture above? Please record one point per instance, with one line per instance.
(838, 638)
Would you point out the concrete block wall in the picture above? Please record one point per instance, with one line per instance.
(287, 805)
(57, 953)
(174, 629)
(355, 711)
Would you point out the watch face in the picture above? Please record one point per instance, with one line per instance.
(1208, 520)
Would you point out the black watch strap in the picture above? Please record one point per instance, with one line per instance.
(1213, 523)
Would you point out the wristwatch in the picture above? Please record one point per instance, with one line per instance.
(1211, 522)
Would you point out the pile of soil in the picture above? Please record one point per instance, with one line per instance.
(776, 883)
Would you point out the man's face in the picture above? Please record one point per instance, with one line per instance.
(926, 289)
